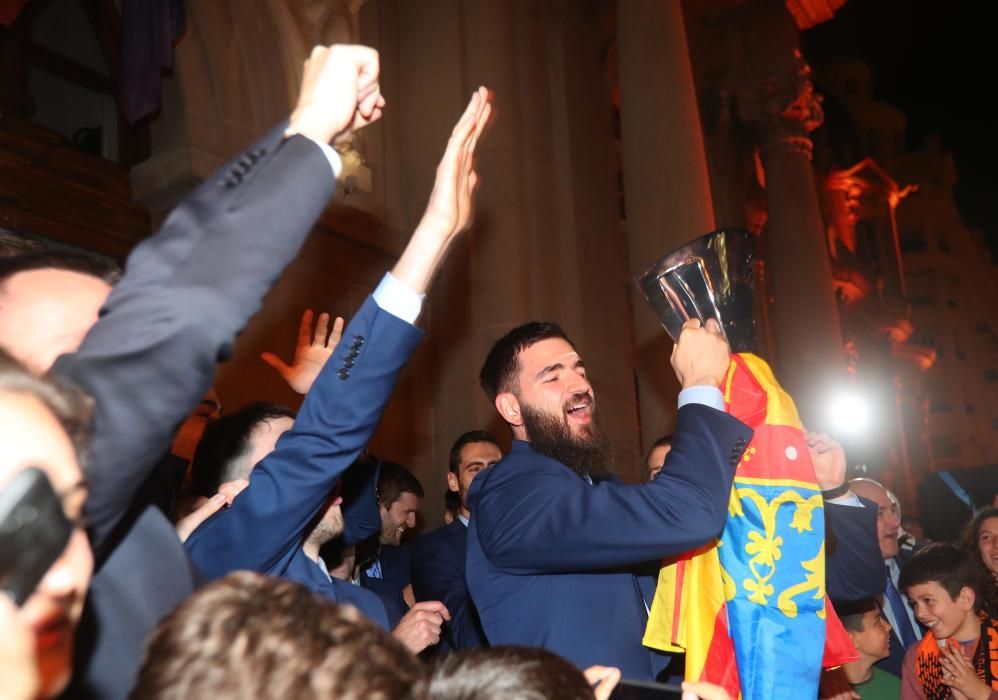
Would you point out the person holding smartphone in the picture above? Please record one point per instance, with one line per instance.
(42, 427)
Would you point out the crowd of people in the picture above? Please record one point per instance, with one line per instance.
(266, 553)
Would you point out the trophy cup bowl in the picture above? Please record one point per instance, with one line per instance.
(710, 277)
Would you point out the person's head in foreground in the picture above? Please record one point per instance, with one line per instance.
(538, 383)
(252, 636)
(517, 673)
(46, 426)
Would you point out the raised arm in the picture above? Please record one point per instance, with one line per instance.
(188, 290)
(549, 520)
(341, 411)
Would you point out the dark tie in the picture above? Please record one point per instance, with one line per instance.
(904, 630)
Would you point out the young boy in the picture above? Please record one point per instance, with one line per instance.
(871, 635)
(959, 659)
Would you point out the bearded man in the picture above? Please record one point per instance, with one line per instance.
(561, 554)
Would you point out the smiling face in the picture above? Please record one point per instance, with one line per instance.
(987, 544)
(874, 642)
(31, 436)
(942, 614)
(551, 382)
(398, 517)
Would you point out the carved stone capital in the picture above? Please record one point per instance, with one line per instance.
(785, 108)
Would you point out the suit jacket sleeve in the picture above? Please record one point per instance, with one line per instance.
(361, 516)
(854, 567)
(549, 520)
(288, 488)
(186, 293)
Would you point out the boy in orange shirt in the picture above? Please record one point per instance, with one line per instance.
(959, 659)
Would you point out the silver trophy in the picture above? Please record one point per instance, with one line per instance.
(711, 277)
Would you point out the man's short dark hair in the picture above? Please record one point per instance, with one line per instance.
(498, 374)
(12, 244)
(662, 442)
(252, 636)
(470, 437)
(946, 564)
(393, 481)
(851, 612)
(498, 673)
(220, 455)
(68, 260)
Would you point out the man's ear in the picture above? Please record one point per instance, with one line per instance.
(509, 408)
(966, 598)
(452, 483)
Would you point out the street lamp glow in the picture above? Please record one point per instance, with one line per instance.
(849, 414)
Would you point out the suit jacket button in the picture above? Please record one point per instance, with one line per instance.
(358, 340)
(343, 374)
(348, 362)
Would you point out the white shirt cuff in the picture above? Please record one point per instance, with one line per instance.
(706, 395)
(331, 155)
(398, 299)
(847, 499)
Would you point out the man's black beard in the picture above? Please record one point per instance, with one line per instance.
(592, 456)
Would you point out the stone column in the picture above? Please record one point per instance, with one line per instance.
(807, 333)
(545, 244)
(666, 184)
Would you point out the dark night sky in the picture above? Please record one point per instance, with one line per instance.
(935, 61)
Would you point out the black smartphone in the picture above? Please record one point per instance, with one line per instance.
(646, 690)
(34, 531)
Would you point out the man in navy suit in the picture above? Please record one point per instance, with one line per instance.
(557, 546)
(292, 506)
(438, 557)
(384, 560)
(905, 629)
(150, 358)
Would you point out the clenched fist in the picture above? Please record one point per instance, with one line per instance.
(701, 357)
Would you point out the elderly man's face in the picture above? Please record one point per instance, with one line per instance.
(887, 515)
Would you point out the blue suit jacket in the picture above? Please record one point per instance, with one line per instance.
(854, 567)
(394, 577)
(555, 562)
(264, 528)
(895, 660)
(438, 563)
(186, 293)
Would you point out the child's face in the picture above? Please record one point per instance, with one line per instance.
(944, 616)
(874, 642)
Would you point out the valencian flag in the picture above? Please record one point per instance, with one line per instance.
(750, 610)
